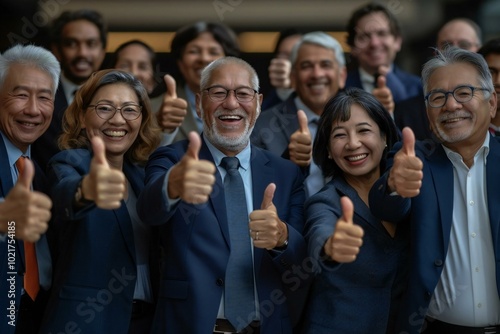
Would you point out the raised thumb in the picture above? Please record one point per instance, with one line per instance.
(302, 118)
(99, 150)
(347, 209)
(194, 145)
(408, 142)
(171, 87)
(267, 201)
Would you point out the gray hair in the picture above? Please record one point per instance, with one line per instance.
(32, 55)
(321, 39)
(454, 55)
(207, 71)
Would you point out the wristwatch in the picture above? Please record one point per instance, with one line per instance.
(79, 196)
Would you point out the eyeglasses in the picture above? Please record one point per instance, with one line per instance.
(461, 94)
(129, 112)
(219, 94)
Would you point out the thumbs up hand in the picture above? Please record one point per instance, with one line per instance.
(279, 72)
(173, 109)
(383, 94)
(344, 244)
(405, 176)
(266, 229)
(300, 146)
(24, 212)
(103, 185)
(192, 179)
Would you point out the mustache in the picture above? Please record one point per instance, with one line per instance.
(457, 114)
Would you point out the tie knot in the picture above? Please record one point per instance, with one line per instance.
(230, 163)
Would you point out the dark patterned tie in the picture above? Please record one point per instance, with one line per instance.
(239, 287)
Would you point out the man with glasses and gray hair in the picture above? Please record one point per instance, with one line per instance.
(230, 216)
(447, 191)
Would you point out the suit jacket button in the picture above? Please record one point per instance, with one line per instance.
(219, 282)
(438, 263)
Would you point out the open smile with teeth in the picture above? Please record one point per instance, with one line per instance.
(453, 120)
(230, 118)
(115, 133)
(356, 157)
(28, 124)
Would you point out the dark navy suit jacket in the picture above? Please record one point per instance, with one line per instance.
(196, 244)
(95, 275)
(403, 85)
(362, 296)
(431, 218)
(12, 249)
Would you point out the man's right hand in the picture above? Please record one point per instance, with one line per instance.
(192, 179)
(30, 210)
(405, 176)
(173, 109)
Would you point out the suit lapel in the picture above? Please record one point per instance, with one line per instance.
(6, 183)
(262, 176)
(493, 161)
(217, 197)
(441, 171)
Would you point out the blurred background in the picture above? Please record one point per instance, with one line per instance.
(257, 22)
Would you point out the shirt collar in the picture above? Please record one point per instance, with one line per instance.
(311, 115)
(69, 88)
(243, 156)
(482, 152)
(13, 152)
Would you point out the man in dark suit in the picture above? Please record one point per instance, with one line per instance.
(375, 39)
(27, 88)
(186, 194)
(288, 129)
(447, 190)
(78, 40)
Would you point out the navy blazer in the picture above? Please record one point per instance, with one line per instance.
(357, 297)
(196, 246)
(274, 127)
(431, 219)
(46, 146)
(403, 85)
(95, 275)
(12, 251)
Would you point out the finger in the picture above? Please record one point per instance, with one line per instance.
(194, 145)
(267, 201)
(408, 142)
(171, 87)
(383, 70)
(27, 175)
(347, 209)
(381, 81)
(99, 151)
(302, 118)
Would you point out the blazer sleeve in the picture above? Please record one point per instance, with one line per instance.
(383, 204)
(66, 169)
(152, 205)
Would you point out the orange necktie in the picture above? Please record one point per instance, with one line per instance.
(31, 283)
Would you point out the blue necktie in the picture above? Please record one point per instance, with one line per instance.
(239, 288)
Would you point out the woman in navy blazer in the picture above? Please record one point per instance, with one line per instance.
(103, 277)
(356, 288)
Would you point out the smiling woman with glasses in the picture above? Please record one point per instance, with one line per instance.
(109, 132)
